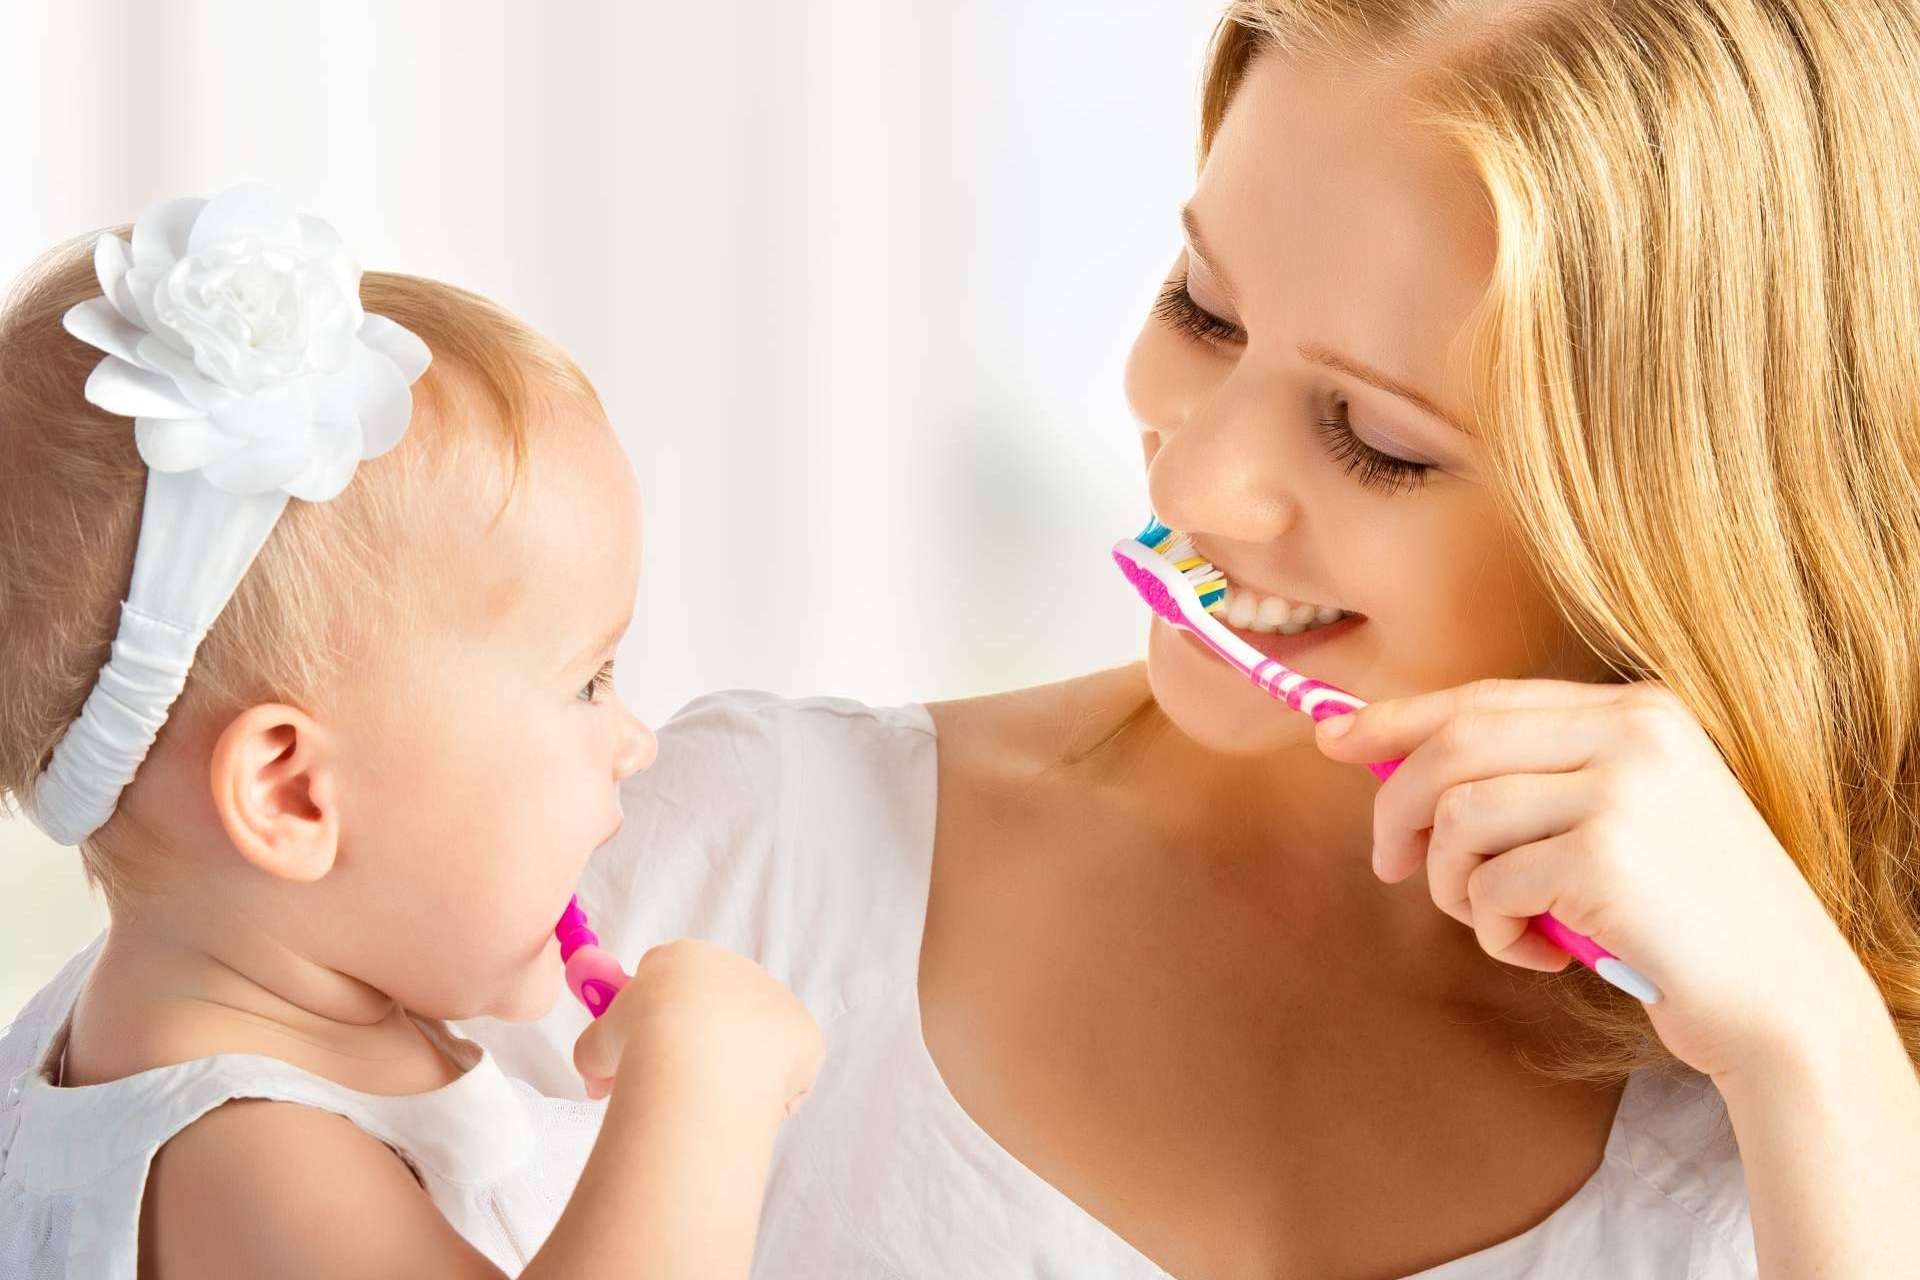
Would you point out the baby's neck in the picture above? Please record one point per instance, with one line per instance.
(159, 995)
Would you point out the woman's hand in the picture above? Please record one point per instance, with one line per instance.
(1608, 806)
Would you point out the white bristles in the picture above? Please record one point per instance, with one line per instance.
(1194, 567)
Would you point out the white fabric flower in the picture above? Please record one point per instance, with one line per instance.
(235, 340)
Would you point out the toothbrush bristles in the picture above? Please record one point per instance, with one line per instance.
(1177, 549)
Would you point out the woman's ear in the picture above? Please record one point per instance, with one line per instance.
(276, 791)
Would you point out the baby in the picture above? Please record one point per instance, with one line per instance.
(411, 540)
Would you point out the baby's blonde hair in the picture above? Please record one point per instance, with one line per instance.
(1697, 377)
(71, 487)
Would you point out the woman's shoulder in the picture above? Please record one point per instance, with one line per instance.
(742, 767)
(1669, 1197)
(795, 831)
(758, 718)
(1673, 1144)
(1021, 730)
(748, 733)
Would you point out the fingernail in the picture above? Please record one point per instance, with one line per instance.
(1334, 726)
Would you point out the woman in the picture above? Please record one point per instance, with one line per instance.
(1570, 348)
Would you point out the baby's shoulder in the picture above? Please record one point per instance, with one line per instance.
(244, 1139)
(223, 1198)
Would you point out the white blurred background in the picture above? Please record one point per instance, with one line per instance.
(855, 278)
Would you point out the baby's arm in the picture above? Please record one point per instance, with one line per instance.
(263, 1188)
(705, 1054)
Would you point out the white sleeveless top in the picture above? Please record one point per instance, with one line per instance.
(497, 1157)
(800, 833)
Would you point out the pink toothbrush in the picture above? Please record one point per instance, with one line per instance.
(1179, 585)
(593, 975)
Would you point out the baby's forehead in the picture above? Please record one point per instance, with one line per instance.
(538, 554)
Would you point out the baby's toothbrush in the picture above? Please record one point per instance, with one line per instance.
(593, 975)
(1184, 589)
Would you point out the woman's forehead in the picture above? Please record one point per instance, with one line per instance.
(1335, 219)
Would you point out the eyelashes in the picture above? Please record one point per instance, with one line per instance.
(1176, 309)
(601, 682)
(1375, 470)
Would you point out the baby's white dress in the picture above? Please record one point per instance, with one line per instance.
(801, 834)
(497, 1157)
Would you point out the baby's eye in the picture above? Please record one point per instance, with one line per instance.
(601, 682)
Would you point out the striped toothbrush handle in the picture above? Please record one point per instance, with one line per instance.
(1292, 688)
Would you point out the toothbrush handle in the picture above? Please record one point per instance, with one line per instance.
(1578, 945)
(594, 977)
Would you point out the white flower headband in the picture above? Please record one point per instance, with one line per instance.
(236, 342)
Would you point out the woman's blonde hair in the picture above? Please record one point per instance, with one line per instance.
(323, 586)
(1697, 371)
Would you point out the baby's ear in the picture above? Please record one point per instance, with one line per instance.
(275, 789)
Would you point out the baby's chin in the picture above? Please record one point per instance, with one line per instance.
(527, 992)
(534, 1005)
(1213, 704)
(540, 987)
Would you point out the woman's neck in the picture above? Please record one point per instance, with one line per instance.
(1291, 825)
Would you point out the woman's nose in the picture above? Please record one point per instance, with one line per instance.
(1224, 466)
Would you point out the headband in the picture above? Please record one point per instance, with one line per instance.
(235, 340)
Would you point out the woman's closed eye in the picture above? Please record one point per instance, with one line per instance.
(1176, 309)
(601, 682)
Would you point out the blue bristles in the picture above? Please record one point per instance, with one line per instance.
(1208, 582)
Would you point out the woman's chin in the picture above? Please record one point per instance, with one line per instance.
(1213, 704)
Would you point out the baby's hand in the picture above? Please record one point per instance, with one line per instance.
(694, 1012)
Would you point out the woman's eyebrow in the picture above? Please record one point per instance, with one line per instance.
(1198, 244)
(1332, 359)
(1317, 352)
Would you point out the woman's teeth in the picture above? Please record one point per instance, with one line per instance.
(1268, 614)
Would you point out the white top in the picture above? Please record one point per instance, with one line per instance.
(801, 833)
(497, 1158)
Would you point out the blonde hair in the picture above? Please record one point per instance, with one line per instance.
(71, 489)
(1696, 375)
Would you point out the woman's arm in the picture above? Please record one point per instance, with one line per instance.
(1829, 1133)
(1609, 806)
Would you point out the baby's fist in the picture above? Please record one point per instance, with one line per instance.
(697, 1015)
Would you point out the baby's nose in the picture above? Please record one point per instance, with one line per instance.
(638, 748)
